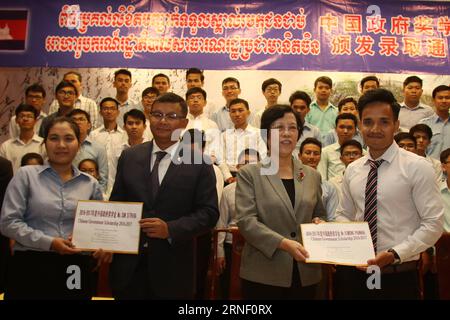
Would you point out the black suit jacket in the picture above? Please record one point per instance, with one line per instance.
(187, 201)
(6, 173)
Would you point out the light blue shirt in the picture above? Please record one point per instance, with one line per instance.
(445, 193)
(222, 118)
(325, 120)
(441, 135)
(38, 206)
(96, 152)
(330, 199)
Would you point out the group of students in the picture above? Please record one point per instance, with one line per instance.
(135, 145)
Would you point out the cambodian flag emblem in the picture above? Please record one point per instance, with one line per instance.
(13, 29)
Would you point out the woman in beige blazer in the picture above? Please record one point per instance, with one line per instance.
(273, 198)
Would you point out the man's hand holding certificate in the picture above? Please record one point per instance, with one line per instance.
(338, 243)
(111, 226)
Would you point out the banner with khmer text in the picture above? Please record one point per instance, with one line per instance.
(346, 35)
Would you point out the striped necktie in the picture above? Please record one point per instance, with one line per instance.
(370, 209)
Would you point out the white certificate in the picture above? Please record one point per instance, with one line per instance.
(338, 243)
(108, 225)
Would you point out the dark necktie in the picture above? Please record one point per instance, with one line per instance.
(370, 209)
(154, 175)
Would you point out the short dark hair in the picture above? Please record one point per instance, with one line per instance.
(231, 79)
(444, 155)
(35, 87)
(421, 127)
(300, 95)
(324, 79)
(160, 75)
(195, 71)
(150, 90)
(269, 82)
(107, 99)
(171, 97)
(122, 71)
(248, 152)
(440, 88)
(347, 116)
(192, 136)
(404, 136)
(274, 113)
(378, 95)
(412, 79)
(23, 107)
(75, 73)
(65, 84)
(31, 156)
(135, 113)
(347, 100)
(74, 112)
(310, 140)
(353, 143)
(57, 120)
(89, 160)
(369, 78)
(196, 90)
(237, 101)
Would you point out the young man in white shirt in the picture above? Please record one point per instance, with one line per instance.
(161, 82)
(196, 79)
(27, 141)
(81, 102)
(122, 83)
(232, 142)
(231, 90)
(271, 89)
(149, 96)
(403, 209)
(35, 97)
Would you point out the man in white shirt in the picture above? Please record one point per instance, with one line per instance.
(404, 210)
(122, 83)
(271, 89)
(330, 164)
(411, 109)
(27, 141)
(110, 135)
(81, 102)
(35, 97)
(149, 95)
(196, 101)
(196, 79)
(231, 90)
(232, 142)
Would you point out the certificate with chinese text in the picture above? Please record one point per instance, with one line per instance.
(111, 226)
(338, 243)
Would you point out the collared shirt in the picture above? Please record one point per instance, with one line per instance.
(14, 130)
(227, 218)
(337, 183)
(410, 211)
(165, 162)
(15, 149)
(123, 108)
(330, 199)
(437, 167)
(410, 117)
(231, 143)
(255, 118)
(330, 164)
(117, 151)
(201, 122)
(331, 137)
(445, 194)
(112, 140)
(92, 150)
(309, 131)
(38, 206)
(325, 120)
(441, 135)
(222, 118)
(83, 103)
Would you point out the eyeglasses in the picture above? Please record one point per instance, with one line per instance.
(148, 98)
(26, 116)
(66, 93)
(352, 154)
(168, 116)
(291, 128)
